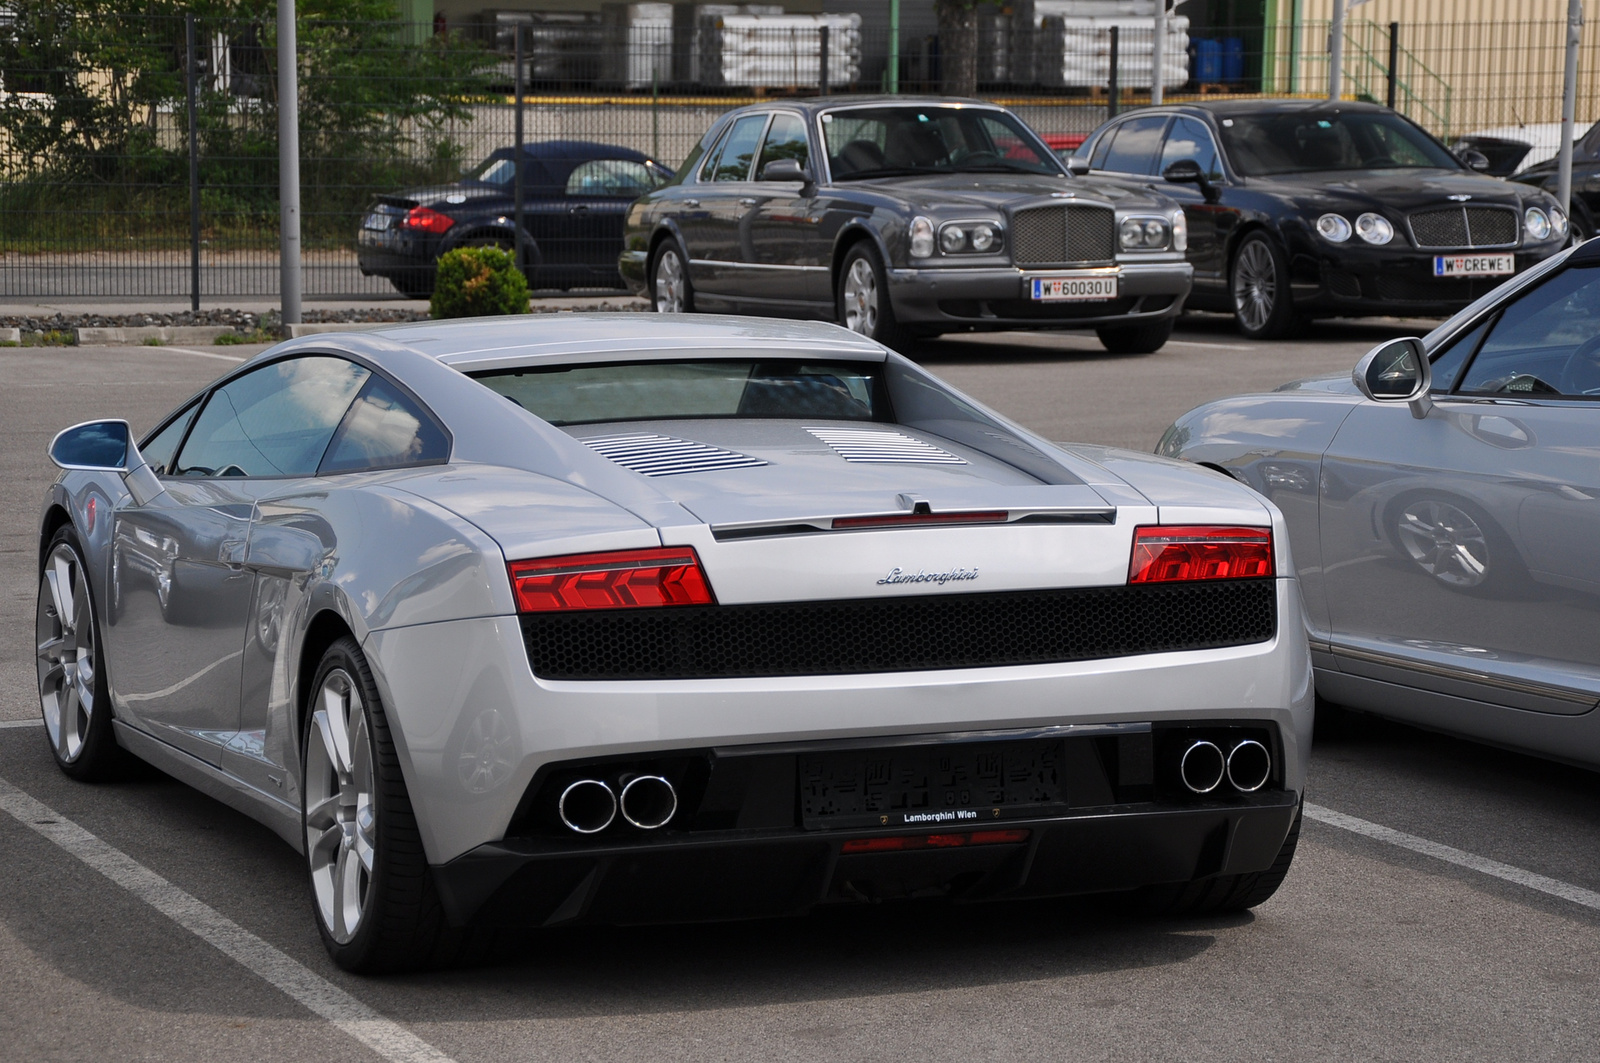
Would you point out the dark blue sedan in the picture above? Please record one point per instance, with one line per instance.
(576, 195)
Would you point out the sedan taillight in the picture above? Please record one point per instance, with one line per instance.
(427, 220)
(1181, 554)
(619, 579)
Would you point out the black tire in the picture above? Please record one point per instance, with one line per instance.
(861, 298)
(671, 289)
(418, 285)
(401, 924)
(84, 749)
(1258, 288)
(1144, 338)
(1223, 893)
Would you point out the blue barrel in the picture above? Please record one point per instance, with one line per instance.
(1205, 59)
(1232, 59)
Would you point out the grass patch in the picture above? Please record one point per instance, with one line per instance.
(56, 337)
(151, 341)
(235, 339)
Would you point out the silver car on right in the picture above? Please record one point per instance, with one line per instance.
(1443, 506)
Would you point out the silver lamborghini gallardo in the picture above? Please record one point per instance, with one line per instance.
(627, 618)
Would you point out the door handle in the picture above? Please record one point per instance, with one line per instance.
(747, 201)
(581, 208)
(691, 202)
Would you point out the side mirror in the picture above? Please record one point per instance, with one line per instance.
(1077, 165)
(1397, 371)
(1474, 159)
(106, 446)
(1188, 172)
(785, 170)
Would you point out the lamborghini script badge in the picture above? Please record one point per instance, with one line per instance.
(900, 575)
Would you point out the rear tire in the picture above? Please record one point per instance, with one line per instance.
(74, 697)
(371, 890)
(1144, 338)
(1223, 893)
(861, 298)
(671, 291)
(419, 286)
(1258, 282)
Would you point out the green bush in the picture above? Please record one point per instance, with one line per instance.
(478, 282)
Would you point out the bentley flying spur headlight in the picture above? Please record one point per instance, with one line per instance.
(1558, 221)
(1537, 222)
(1374, 228)
(1334, 228)
(1143, 234)
(921, 237)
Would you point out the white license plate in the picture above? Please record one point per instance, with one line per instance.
(1474, 265)
(1074, 288)
(375, 221)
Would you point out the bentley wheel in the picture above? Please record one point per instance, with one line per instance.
(72, 686)
(863, 298)
(670, 290)
(371, 889)
(1462, 550)
(1259, 283)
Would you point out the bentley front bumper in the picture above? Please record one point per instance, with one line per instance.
(1002, 297)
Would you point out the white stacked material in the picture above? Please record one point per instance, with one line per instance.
(779, 51)
(1076, 52)
(637, 48)
(994, 43)
(1027, 20)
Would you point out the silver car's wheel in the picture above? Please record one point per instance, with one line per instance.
(860, 302)
(1255, 286)
(67, 659)
(671, 282)
(1445, 542)
(341, 814)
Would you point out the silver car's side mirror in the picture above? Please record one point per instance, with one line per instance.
(106, 446)
(1397, 371)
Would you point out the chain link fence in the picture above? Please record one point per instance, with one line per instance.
(100, 119)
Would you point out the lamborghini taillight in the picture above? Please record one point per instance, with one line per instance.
(1182, 554)
(618, 579)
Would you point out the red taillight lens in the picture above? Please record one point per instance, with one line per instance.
(894, 843)
(621, 579)
(1172, 555)
(425, 219)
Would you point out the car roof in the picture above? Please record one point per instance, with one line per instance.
(574, 151)
(817, 104)
(1268, 106)
(498, 342)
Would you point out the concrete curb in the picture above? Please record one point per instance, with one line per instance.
(100, 337)
(10, 335)
(296, 331)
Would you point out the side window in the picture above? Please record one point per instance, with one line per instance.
(713, 153)
(1133, 149)
(160, 448)
(739, 150)
(1189, 139)
(785, 140)
(1547, 342)
(273, 421)
(611, 178)
(1448, 362)
(385, 428)
(1097, 151)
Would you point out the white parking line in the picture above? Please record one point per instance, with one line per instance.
(35, 722)
(1450, 855)
(200, 354)
(1209, 346)
(385, 1037)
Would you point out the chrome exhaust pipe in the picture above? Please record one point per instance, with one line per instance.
(587, 806)
(1202, 767)
(648, 801)
(1249, 766)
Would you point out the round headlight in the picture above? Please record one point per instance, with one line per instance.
(983, 237)
(1537, 222)
(952, 239)
(1155, 233)
(921, 237)
(1334, 227)
(1130, 233)
(1558, 221)
(1374, 228)
(1180, 232)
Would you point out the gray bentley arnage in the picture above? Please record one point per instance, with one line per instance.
(902, 217)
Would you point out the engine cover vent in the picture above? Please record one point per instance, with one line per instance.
(658, 455)
(882, 447)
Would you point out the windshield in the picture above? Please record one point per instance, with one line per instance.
(1316, 141)
(900, 141)
(493, 171)
(661, 391)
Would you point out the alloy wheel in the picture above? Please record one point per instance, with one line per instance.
(861, 298)
(669, 283)
(341, 816)
(1255, 285)
(66, 654)
(1445, 542)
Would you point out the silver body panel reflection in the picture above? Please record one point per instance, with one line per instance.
(1450, 561)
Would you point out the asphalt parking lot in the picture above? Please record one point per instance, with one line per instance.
(1444, 904)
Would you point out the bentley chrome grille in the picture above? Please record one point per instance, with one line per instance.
(1055, 235)
(1465, 227)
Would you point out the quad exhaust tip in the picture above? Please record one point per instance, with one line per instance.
(649, 801)
(1249, 766)
(1203, 767)
(587, 806)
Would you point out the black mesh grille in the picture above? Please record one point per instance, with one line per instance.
(899, 635)
(1344, 285)
(1057, 235)
(1465, 227)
